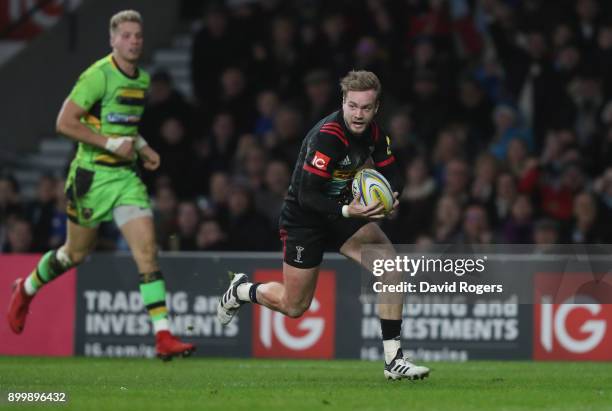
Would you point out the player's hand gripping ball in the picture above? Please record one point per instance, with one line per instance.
(369, 186)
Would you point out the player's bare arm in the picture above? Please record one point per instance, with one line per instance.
(150, 158)
(69, 124)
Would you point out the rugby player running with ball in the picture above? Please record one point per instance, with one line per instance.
(319, 212)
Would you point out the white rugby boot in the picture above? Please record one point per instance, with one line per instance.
(229, 304)
(400, 368)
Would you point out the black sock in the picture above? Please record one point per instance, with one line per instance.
(253, 292)
(390, 329)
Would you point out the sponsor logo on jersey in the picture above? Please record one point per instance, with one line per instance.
(125, 119)
(388, 146)
(320, 161)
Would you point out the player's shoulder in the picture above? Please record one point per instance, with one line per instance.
(95, 71)
(380, 134)
(105, 63)
(106, 66)
(330, 127)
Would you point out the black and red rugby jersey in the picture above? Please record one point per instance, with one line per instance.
(330, 157)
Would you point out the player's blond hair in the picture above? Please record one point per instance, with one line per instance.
(360, 80)
(122, 17)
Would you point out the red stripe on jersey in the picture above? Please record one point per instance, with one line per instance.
(335, 133)
(333, 125)
(336, 129)
(316, 171)
(386, 162)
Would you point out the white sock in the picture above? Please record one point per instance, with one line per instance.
(161, 325)
(28, 286)
(243, 292)
(391, 347)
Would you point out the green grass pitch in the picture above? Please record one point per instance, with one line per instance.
(220, 384)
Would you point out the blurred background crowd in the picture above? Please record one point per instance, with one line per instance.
(500, 112)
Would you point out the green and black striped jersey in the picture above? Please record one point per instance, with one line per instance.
(114, 102)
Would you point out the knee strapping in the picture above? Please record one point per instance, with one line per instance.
(60, 261)
(63, 258)
(53, 264)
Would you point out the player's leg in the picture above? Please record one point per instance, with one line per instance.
(390, 306)
(292, 297)
(302, 254)
(136, 225)
(79, 243)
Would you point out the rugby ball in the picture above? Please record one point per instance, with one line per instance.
(369, 186)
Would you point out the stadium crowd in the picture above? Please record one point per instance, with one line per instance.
(500, 112)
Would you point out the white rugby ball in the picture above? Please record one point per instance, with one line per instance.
(369, 186)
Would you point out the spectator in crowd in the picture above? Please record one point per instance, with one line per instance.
(267, 105)
(456, 180)
(476, 228)
(516, 157)
(321, 100)
(235, 98)
(406, 143)
(215, 47)
(505, 196)
(587, 227)
(555, 192)
(269, 200)
(247, 228)
(279, 61)
(178, 160)
(483, 185)
(164, 101)
(286, 140)
(254, 167)
(10, 202)
(518, 228)
(40, 212)
(429, 106)
(447, 148)
(19, 236)
(506, 130)
(187, 220)
(417, 202)
(545, 234)
(211, 237)
(474, 108)
(336, 44)
(216, 151)
(220, 184)
(165, 206)
(447, 220)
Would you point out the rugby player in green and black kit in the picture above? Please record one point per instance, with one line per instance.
(102, 113)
